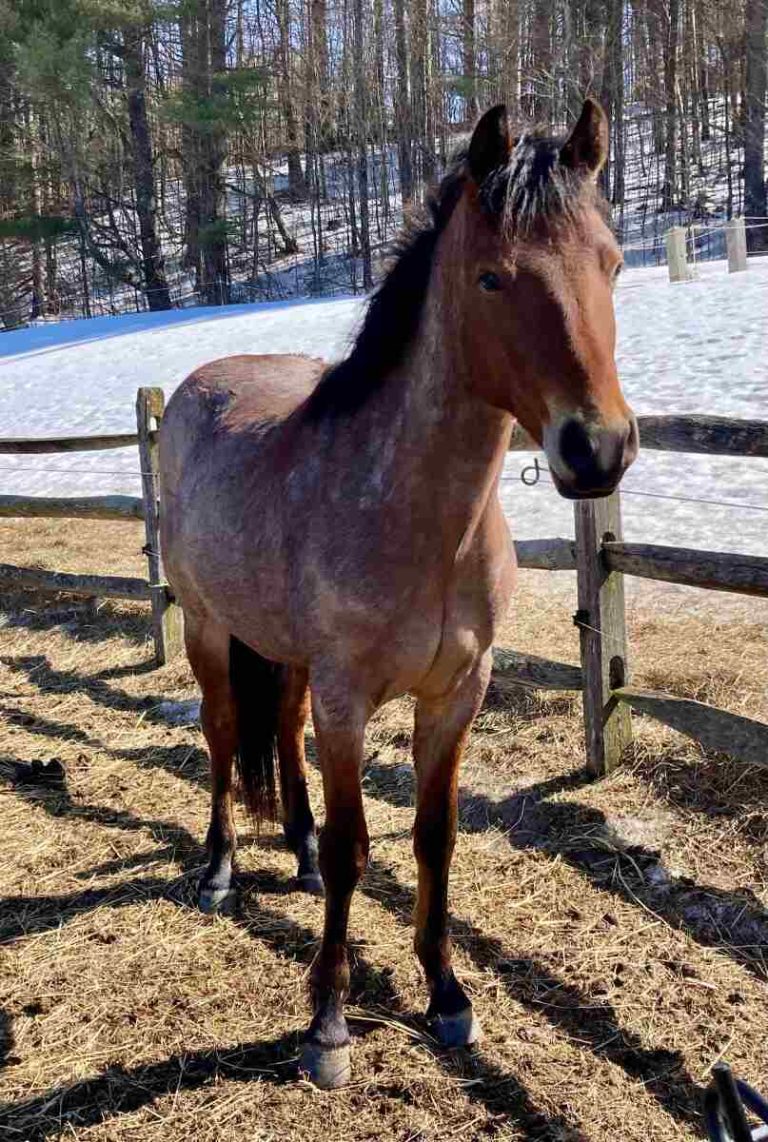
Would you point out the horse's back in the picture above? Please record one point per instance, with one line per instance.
(225, 439)
(236, 394)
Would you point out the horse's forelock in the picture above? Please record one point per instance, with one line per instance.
(533, 188)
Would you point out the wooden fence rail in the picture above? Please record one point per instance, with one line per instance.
(598, 554)
(73, 507)
(166, 616)
(35, 446)
(107, 586)
(714, 435)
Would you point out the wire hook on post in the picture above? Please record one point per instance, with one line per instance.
(531, 474)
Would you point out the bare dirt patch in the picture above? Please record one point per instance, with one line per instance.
(614, 935)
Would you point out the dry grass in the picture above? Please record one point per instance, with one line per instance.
(614, 936)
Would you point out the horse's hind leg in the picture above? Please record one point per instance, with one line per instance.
(298, 822)
(208, 652)
(440, 733)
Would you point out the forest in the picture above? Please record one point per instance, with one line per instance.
(155, 154)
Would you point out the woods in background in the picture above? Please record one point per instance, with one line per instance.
(155, 153)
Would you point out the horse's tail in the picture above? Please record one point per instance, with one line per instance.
(256, 687)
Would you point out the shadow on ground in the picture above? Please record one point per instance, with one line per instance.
(117, 1090)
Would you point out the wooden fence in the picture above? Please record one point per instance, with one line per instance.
(166, 616)
(597, 554)
(601, 559)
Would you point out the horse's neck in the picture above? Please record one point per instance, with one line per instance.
(444, 447)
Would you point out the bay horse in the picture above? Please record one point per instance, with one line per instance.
(336, 531)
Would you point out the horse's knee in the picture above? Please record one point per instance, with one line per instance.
(343, 856)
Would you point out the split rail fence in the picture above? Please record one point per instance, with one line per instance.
(166, 616)
(598, 555)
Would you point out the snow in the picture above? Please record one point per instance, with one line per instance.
(690, 347)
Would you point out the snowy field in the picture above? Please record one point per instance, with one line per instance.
(697, 347)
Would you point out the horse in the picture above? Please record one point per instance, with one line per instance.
(334, 534)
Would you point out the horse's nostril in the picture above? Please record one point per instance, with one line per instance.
(577, 448)
(632, 446)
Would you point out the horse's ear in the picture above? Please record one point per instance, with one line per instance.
(586, 148)
(491, 143)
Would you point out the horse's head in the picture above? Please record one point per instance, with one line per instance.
(530, 267)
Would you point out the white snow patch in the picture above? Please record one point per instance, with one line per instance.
(647, 832)
(696, 347)
(183, 713)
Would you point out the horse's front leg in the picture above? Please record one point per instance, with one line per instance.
(339, 731)
(440, 733)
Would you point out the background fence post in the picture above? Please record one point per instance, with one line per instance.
(736, 245)
(679, 269)
(603, 636)
(166, 616)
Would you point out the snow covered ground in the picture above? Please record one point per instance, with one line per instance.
(692, 347)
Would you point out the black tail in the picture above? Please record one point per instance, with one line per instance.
(256, 686)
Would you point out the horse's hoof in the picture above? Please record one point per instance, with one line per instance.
(459, 1030)
(311, 882)
(216, 900)
(327, 1067)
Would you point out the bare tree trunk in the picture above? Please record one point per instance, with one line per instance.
(38, 279)
(510, 48)
(152, 261)
(297, 186)
(469, 62)
(402, 108)
(613, 100)
(669, 189)
(755, 203)
(419, 98)
(361, 135)
(193, 63)
(215, 269)
(703, 66)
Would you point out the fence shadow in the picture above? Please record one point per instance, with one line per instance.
(34, 611)
(583, 837)
(48, 680)
(579, 833)
(580, 1018)
(118, 1090)
(6, 1038)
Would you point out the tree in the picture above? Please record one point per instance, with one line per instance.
(755, 202)
(153, 263)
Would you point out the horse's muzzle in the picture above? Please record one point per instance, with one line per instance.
(587, 460)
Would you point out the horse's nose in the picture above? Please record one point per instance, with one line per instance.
(592, 457)
(579, 450)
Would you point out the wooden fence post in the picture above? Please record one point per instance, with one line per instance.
(166, 616)
(736, 245)
(601, 622)
(679, 269)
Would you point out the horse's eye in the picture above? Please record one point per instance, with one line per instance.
(489, 282)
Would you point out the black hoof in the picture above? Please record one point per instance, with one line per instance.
(213, 900)
(311, 882)
(459, 1030)
(327, 1067)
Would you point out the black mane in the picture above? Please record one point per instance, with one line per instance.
(533, 187)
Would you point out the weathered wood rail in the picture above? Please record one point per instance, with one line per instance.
(601, 559)
(598, 555)
(715, 435)
(166, 616)
(35, 446)
(73, 507)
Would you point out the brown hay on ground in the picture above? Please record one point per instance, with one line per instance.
(613, 935)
